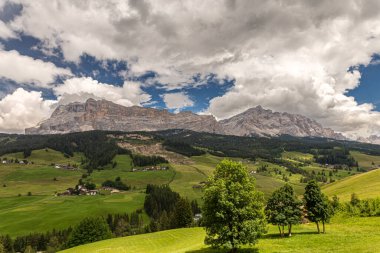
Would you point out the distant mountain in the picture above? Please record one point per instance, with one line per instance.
(373, 139)
(105, 115)
(261, 122)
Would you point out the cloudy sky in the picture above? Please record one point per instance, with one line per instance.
(316, 58)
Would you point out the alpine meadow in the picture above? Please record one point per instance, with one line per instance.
(166, 126)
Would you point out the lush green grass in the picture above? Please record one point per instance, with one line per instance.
(343, 235)
(37, 178)
(138, 179)
(365, 185)
(46, 157)
(365, 161)
(23, 215)
(297, 156)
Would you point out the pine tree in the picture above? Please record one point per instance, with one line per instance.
(182, 215)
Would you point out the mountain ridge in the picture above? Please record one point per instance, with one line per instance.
(105, 115)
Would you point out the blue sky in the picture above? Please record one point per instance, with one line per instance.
(368, 90)
(108, 72)
(218, 58)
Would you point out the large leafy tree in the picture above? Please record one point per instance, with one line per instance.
(284, 209)
(317, 205)
(89, 230)
(233, 211)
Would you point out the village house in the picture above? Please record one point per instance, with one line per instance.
(153, 168)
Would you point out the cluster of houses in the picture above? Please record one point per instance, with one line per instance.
(79, 190)
(9, 161)
(82, 190)
(152, 168)
(65, 166)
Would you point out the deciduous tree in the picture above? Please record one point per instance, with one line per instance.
(284, 209)
(233, 211)
(317, 205)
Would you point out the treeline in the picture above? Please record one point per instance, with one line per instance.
(97, 147)
(335, 156)
(49, 242)
(182, 148)
(89, 230)
(358, 207)
(260, 147)
(167, 209)
(143, 160)
(117, 184)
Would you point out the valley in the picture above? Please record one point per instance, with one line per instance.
(29, 202)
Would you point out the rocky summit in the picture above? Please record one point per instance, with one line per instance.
(105, 115)
(261, 122)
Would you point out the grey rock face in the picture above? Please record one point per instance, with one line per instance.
(260, 122)
(105, 115)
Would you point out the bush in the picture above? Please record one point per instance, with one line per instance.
(89, 230)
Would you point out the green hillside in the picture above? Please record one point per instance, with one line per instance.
(365, 185)
(23, 215)
(366, 161)
(348, 235)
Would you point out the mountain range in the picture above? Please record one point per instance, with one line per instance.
(105, 115)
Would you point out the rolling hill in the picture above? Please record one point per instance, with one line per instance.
(361, 234)
(365, 185)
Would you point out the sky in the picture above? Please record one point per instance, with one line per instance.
(315, 58)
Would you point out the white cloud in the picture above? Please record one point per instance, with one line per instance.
(25, 69)
(22, 109)
(5, 32)
(80, 89)
(177, 100)
(285, 55)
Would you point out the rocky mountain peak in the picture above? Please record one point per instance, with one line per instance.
(105, 115)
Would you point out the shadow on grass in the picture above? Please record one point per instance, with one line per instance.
(277, 236)
(211, 250)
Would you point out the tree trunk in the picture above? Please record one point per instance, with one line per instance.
(318, 227)
(290, 230)
(233, 250)
(323, 224)
(279, 229)
(283, 230)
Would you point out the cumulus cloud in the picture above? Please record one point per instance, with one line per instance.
(23, 109)
(5, 32)
(285, 55)
(25, 69)
(82, 88)
(177, 100)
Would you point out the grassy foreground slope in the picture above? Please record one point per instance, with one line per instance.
(348, 235)
(365, 185)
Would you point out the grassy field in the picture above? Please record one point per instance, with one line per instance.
(343, 235)
(365, 185)
(366, 161)
(38, 178)
(22, 215)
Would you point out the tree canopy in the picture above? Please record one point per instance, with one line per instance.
(233, 211)
(89, 230)
(284, 209)
(317, 205)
